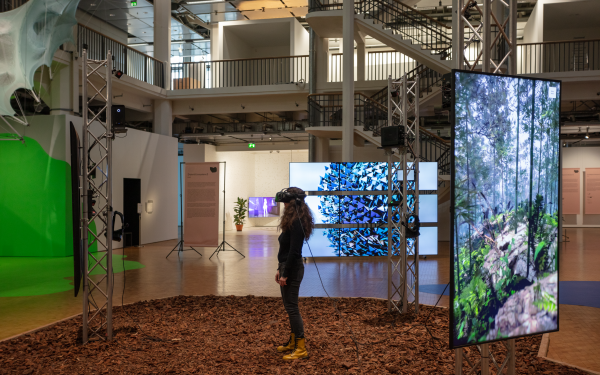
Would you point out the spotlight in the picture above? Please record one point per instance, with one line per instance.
(118, 73)
(587, 133)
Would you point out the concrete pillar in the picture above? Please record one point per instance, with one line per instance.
(348, 82)
(322, 49)
(163, 117)
(61, 91)
(162, 35)
(322, 149)
(361, 56)
(457, 36)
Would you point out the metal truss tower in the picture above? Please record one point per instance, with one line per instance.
(97, 185)
(403, 253)
(499, 13)
(503, 15)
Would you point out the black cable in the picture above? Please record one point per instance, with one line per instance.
(427, 318)
(145, 335)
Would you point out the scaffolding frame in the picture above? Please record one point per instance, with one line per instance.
(403, 255)
(97, 157)
(482, 32)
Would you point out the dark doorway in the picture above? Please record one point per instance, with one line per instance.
(132, 196)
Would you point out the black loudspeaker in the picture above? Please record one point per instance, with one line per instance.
(392, 136)
(118, 116)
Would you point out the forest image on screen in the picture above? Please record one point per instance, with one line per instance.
(506, 207)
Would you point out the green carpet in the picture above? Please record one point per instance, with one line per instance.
(28, 276)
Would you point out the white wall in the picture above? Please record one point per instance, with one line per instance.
(581, 157)
(300, 39)
(249, 174)
(153, 159)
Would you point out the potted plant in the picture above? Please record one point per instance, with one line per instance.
(240, 213)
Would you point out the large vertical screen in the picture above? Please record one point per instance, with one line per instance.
(505, 194)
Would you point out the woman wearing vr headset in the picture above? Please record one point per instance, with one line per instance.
(296, 225)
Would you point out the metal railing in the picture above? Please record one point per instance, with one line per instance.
(410, 24)
(237, 73)
(566, 56)
(269, 127)
(128, 60)
(6, 5)
(428, 80)
(326, 110)
(335, 71)
(382, 64)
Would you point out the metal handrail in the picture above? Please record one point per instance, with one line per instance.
(563, 56)
(240, 72)
(411, 24)
(326, 110)
(130, 61)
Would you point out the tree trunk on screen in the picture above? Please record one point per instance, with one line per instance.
(530, 214)
(517, 158)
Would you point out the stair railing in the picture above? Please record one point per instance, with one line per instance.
(428, 79)
(410, 24)
(326, 110)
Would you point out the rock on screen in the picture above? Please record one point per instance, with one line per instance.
(505, 199)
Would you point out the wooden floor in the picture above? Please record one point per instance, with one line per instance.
(231, 274)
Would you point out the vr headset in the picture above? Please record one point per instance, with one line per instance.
(286, 196)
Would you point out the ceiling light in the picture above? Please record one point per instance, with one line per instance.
(138, 44)
(92, 5)
(205, 2)
(177, 41)
(112, 15)
(587, 133)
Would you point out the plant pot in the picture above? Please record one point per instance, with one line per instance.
(239, 227)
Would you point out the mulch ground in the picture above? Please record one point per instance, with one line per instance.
(238, 335)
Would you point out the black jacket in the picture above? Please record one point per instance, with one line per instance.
(290, 247)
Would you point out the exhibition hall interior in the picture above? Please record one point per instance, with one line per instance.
(447, 154)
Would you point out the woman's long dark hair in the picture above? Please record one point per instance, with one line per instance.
(290, 214)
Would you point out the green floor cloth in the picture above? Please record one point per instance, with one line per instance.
(33, 276)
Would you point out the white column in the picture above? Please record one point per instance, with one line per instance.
(348, 82)
(322, 149)
(322, 48)
(361, 57)
(163, 117)
(162, 35)
(457, 36)
(61, 91)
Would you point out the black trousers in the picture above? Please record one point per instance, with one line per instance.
(289, 294)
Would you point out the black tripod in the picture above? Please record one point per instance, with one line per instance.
(179, 245)
(221, 246)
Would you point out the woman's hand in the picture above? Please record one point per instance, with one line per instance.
(282, 280)
(277, 277)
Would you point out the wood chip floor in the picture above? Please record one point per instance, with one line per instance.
(577, 343)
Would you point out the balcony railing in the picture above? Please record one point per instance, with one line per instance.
(326, 110)
(237, 73)
(128, 60)
(551, 57)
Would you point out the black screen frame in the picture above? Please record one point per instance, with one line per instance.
(453, 203)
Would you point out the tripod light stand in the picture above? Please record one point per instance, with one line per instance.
(221, 246)
(180, 246)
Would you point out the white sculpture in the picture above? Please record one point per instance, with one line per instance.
(29, 36)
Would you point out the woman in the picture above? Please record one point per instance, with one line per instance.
(296, 225)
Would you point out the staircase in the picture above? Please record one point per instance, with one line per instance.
(408, 31)
(325, 115)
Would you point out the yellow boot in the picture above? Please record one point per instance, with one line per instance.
(300, 352)
(289, 346)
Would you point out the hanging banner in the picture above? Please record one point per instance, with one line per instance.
(570, 191)
(201, 212)
(592, 191)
